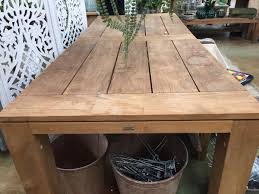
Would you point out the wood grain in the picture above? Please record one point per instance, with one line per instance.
(96, 29)
(155, 37)
(33, 160)
(132, 77)
(239, 157)
(58, 75)
(208, 74)
(122, 107)
(218, 164)
(255, 34)
(71, 97)
(132, 127)
(142, 30)
(116, 34)
(174, 26)
(154, 25)
(111, 33)
(95, 75)
(168, 72)
(226, 20)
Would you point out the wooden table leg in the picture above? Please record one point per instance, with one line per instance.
(255, 33)
(249, 31)
(233, 160)
(33, 159)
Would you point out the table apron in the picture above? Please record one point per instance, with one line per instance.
(126, 127)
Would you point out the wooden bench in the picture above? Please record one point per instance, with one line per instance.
(171, 84)
(252, 30)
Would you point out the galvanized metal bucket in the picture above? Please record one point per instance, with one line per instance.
(131, 145)
(80, 163)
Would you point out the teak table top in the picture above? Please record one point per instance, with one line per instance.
(169, 76)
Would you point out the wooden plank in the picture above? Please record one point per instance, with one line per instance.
(154, 25)
(218, 164)
(90, 19)
(153, 127)
(168, 72)
(133, 76)
(226, 20)
(174, 26)
(208, 74)
(142, 30)
(58, 75)
(33, 160)
(147, 38)
(240, 155)
(255, 34)
(96, 72)
(130, 107)
(111, 33)
(114, 34)
(95, 30)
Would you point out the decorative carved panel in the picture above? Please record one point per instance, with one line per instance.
(27, 44)
(71, 16)
(32, 34)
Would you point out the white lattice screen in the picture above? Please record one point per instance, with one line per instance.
(32, 34)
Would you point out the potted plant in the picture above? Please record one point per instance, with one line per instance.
(221, 8)
(201, 13)
(206, 11)
(210, 8)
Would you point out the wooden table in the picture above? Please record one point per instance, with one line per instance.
(252, 29)
(171, 84)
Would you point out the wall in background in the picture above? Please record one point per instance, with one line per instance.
(241, 3)
(254, 4)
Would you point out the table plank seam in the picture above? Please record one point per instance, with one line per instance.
(149, 70)
(164, 24)
(78, 69)
(144, 24)
(103, 31)
(115, 62)
(186, 66)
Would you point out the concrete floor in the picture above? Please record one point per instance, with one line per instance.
(194, 180)
(241, 52)
(9, 181)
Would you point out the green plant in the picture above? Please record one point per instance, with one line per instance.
(141, 5)
(209, 4)
(154, 5)
(173, 6)
(168, 6)
(222, 2)
(128, 25)
(210, 8)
